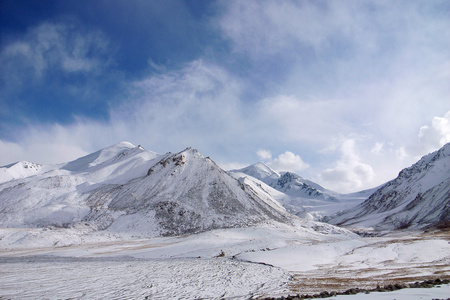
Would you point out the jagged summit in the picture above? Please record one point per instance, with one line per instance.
(418, 197)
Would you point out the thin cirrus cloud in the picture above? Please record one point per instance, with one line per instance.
(53, 72)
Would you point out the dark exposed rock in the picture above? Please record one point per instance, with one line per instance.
(354, 291)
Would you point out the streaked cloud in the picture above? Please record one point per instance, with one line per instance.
(54, 46)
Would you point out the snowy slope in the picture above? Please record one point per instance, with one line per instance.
(18, 170)
(418, 197)
(56, 194)
(124, 188)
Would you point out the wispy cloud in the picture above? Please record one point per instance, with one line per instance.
(262, 28)
(54, 46)
(314, 121)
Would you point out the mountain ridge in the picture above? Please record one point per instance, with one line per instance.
(418, 197)
(127, 188)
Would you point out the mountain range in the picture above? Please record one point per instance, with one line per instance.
(125, 188)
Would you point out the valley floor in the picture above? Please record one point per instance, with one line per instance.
(226, 263)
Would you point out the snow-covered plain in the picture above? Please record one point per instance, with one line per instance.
(237, 263)
(128, 278)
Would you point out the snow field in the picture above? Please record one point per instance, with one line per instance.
(298, 261)
(127, 278)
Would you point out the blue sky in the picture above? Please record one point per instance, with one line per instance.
(345, 93)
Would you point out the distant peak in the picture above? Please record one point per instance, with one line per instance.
(259, 171)
(263, 167)
(23, 163)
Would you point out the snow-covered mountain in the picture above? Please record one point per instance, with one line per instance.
(124, 188)
(417, 198)
(288, 183)
(299, 196)
(20, 169)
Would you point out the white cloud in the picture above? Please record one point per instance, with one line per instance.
(267, 27)
(44, 152)
(10, 152)
(264, 154)
(288, 161)
(437, 134)
(349, 173)
(370, 67)
(295, 120)
(197, 106)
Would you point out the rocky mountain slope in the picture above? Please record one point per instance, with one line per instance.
(124, 188)
(417, 198)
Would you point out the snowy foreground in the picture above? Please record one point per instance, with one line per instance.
(227, 263)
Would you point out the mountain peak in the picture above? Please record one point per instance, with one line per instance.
(190, 150)
(260, 171)
(100, 156)
(20, 169)
(177, 160)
